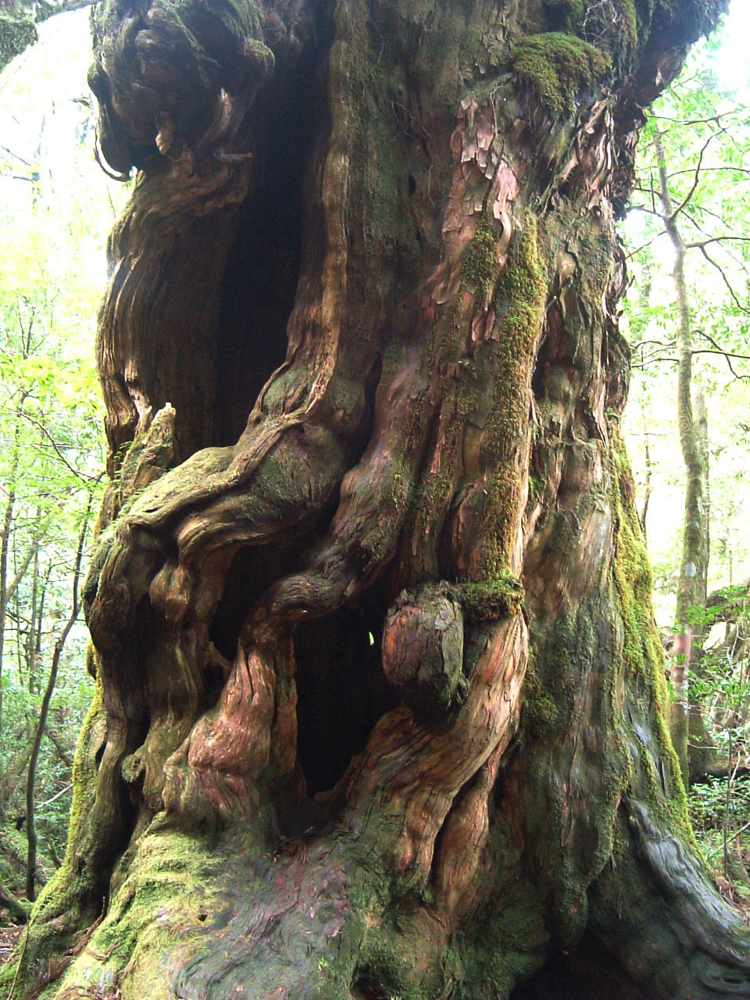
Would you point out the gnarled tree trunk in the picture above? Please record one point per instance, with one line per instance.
(381, 708)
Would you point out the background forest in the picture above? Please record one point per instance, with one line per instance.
(691, 383)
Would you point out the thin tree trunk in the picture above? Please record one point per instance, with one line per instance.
(31, 635)
(693, 568)
(9, 586)
(31, 838)
(5, 535)
(643, 514)
(38, 631)
(701, 741)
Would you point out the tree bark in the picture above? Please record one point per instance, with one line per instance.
(692, 589)
(381, 707)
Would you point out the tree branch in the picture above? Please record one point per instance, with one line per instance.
(688, 170)
(697, 244)
(83, 476)
(726, 281)
(20, 573)
(644, 246)
(696, 178)
(727, 355)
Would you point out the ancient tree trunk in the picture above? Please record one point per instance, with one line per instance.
(381, 708)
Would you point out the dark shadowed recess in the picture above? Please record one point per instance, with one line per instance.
(251, 573)
(342, 691)
(586, 972)
(264, 265)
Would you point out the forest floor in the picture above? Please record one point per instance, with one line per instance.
(9, 938)
(729, 891)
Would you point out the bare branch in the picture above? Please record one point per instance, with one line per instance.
(16, 157)
(688, 170)
(643, 246)
(726, 281)
(719, 348)
(83, 476)
(653, 361)
(697, 175)
(642, 208)
(660, 343)
(697, 244)
(688, 122)
(55, 797)
(727, 355)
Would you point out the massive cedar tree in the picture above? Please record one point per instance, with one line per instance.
(381, 709)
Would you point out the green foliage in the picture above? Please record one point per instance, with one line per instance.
(55, 211)
(721, 686)
(705, 135)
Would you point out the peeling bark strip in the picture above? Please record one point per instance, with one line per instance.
(380, 702)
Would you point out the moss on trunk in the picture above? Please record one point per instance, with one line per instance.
(17, 33)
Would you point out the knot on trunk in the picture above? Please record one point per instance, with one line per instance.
(423, 649)
(151, 452)
(174, 75)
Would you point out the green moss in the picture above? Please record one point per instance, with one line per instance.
(539, 709)
(565, 15)
(70, 883)
(387, 961)
(508, 946)
(630, 19)
(162, 897)
(557, 67)
(642, 652)
(492, 599)
(433, 494)
(480, 266)
(536, 489)
(522, 289)
(519, 301)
